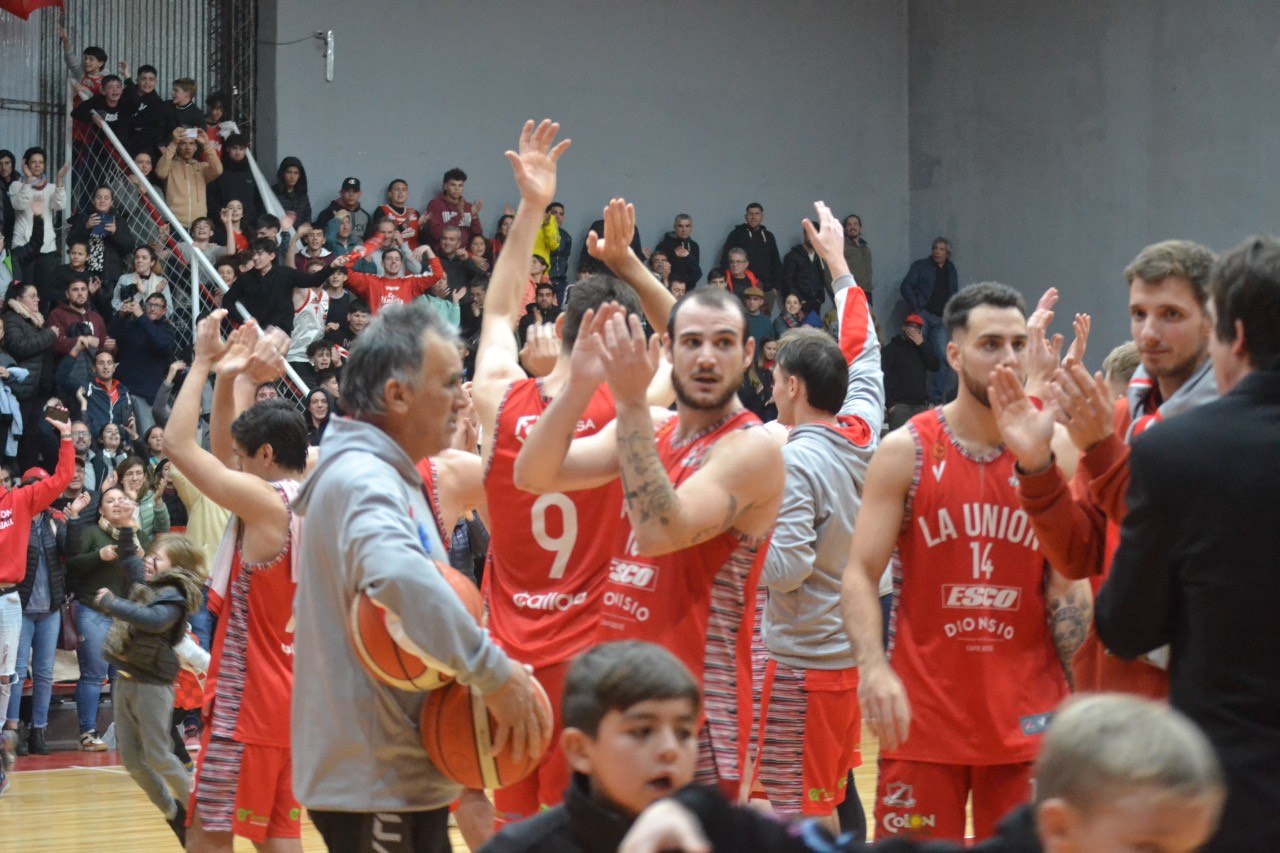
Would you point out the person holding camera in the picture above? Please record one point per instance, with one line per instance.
(84, 335)
(145, 347)
(141, 282)
(186, 178)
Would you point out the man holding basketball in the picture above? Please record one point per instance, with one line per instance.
(359, 764)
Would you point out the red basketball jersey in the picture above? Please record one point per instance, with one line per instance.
(545, 569)
(971, 638)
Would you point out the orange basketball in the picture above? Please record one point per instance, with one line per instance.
(457, 733)
(387, 652)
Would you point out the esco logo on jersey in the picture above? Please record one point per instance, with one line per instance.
(981, 596)
(635, 575)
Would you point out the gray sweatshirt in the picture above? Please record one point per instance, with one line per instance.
(356, 746)
(826, 466)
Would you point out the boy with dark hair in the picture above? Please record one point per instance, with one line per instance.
(147, 123)
(450, 208)
(630, 712)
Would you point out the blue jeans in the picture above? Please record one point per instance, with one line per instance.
(201, 621)
(37, 643)
(93, 666)
(942, 383)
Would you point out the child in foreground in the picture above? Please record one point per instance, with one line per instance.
(631, 713)
(164, 590)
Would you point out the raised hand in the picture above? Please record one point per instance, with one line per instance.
(209, 344)
(614, 248)
(1075, 354)
(541, 349)
(1083, 406)
(535, 163)
(827, 239)
(585, 365)
(629, 360)
(1042, 350)
(1027, 432)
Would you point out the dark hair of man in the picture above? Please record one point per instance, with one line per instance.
(455, 174)
(1246, 288)
(393, 183)
(544, 287)
(391, 347)
(264, 244)
(591, 293)
(147, 69)
(392, 250)
(33, 151)
(72, 244)
(317, 345)
(111, 78)
(551, 207)
(217, 99)
(755, 205)
(715, 272)
(277, 423)
(712, 297)
(236, 140)
(97, 53)
(616, 676)
(358, 306)
(268, 220)
(813, 357)
(158, 297)
(186, 84)
(853, 216)
(956, 314)
(1182, 258)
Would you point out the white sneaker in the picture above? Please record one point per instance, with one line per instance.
(90, 742)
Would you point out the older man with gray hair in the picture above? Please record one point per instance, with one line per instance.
(359, 766)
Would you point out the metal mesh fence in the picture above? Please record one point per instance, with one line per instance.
(191, 281)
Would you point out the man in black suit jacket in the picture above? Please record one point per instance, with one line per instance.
(1200, 547)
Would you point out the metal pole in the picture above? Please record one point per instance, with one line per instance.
(195, 291)
(67, 153)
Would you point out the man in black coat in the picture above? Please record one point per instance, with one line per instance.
(683, 252)
(266, 291)
(907, 361)
(927, 286)
(762, 252)
(1196, 565)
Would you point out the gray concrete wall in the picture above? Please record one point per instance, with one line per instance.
(694, 107)
(1051, 142)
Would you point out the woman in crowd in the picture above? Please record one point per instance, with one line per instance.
(147, 166)
(500, 234)
(103, 230)
(97, 566)
(291, 189)
(150, 509)
(792, 316)
(756, 392)
(152, 447)
(161, 482)
(141, 282)
(108, 454)
(41, 591)
(232, 233)
(30, 342)
(481, 254)
(319, 408)
(202, 239)
(8, 174)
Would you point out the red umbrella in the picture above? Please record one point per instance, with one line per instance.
(24, 8)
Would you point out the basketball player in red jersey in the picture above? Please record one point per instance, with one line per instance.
(548, 553)
(243, 782)
(701, 493)
(974, 673)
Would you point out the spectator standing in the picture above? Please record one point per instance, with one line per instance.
(455, 261)
(113, 109)
(34, 196)
(908, 359)
(291, 189)
(857, 254)
(182, 111)
(145, 345)
(236, 180)
(395, 286)
(104, 400)
(348, 201)
(145, 125)
(449, 208)
(266, 290)
(740, 276)
(142, 281)
(761, 249)
(929, 283)
(805, 274)
(149, 509)
(30, 341)
(185, 178)
(397, 210)
(559, 271)
(682, 250)
(106, 236)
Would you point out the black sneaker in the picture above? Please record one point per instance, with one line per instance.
(178, 823)
(36, 742)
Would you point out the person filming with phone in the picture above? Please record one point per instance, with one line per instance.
(185, 177)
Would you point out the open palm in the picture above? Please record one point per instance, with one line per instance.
(535, 164)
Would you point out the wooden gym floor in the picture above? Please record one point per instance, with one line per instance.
(87, 802)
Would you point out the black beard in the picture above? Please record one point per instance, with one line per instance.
(686, 399)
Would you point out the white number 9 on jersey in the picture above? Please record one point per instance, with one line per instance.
(562, 545)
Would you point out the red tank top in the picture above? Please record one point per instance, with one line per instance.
(545, 569)
(971, 638)
(250, 680)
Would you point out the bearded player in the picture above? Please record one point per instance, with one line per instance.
(972, 673)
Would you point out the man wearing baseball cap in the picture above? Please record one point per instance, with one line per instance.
(348, 200)
(907, 360)
(759, 326)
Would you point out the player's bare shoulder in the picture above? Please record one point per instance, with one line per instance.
(893, 465)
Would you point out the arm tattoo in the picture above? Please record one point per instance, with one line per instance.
(1069, 617)
(646, 488)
